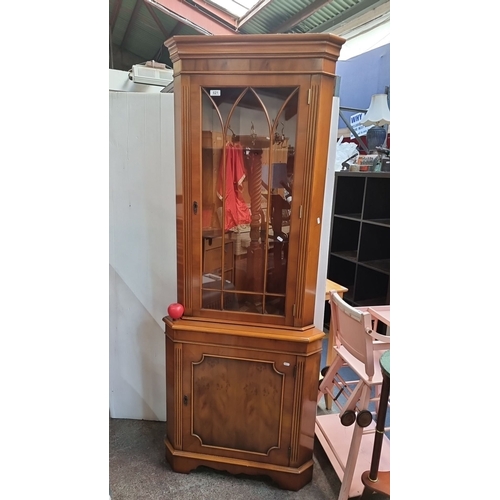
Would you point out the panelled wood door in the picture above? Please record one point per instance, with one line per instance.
(226, 393)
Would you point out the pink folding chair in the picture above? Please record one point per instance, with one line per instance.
(353, 381)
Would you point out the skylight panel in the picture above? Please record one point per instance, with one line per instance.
(237, 7)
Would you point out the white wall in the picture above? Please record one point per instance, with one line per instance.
(324, 246)
(142, 250)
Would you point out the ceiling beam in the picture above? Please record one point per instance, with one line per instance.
(300, 16)
(253, 11)
(348, 15)
(154, 15)
(192, 16)
(230, 19)
(166, 33)
(175, 30)
(369, 19)
(131, 22)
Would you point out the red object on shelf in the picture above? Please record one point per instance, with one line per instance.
(175, 310)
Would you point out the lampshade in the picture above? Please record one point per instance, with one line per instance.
(378, 113)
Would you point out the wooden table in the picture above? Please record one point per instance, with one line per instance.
(332, 286)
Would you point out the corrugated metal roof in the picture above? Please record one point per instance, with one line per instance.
(140, 28)
(278, 12)
(274, 15)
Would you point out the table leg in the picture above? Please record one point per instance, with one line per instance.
(379, 435)
(373, 480)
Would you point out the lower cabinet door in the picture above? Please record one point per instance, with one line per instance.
(237, 403)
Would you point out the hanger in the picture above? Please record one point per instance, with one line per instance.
(280, 138)
(233, 138)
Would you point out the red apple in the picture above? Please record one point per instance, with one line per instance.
(175, 310)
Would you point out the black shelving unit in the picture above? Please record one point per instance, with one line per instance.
(359, 256)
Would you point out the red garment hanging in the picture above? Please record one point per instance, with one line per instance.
(236, 210)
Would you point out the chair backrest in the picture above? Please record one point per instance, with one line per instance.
(353, 328)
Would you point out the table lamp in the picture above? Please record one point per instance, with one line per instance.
(378, 114)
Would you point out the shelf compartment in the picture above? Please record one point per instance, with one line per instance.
(374, 243)
(377, 198)
(341, 271)
(349, 194)
(372, 287)
(345, 237)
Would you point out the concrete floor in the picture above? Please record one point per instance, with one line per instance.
(138, 471)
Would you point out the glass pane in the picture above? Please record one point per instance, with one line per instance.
(213, 250)
(282, 156)
(212, 150)
(275, 305)
(247, 175)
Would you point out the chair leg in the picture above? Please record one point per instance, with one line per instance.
(328, 402)
(327, 381)
(352, 456)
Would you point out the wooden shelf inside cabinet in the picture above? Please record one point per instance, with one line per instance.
(212, 256)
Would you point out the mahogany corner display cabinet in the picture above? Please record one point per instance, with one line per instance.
(252, 126)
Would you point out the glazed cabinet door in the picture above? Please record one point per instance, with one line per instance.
(237, 403)
(241, 256)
